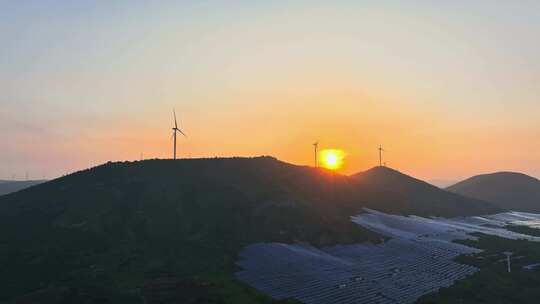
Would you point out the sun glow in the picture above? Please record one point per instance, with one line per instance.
(332, 158)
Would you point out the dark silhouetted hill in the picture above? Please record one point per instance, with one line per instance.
(508, 190)
(392, 191)
(7, 186)
(169, 231)
(123, 231)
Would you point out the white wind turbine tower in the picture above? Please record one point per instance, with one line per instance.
(176, 129)
(508, 254)
(381, 150)
(316, 147)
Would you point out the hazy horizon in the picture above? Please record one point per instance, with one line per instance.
(449, 89)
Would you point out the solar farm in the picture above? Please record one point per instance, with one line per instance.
(417, 260)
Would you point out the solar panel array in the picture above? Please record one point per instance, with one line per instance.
(412, 227)
(417, 260)
(399, 271)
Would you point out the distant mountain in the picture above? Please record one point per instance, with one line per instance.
(508, 190)
(442, 183)
(169, 231)
(392, 191)
(7, 186)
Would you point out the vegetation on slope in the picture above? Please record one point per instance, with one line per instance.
(163, 231)
(127, 231)
(493, 284)
(524, 230)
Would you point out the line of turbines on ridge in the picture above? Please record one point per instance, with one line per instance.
(176, 130)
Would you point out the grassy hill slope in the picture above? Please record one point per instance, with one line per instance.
(163, 231)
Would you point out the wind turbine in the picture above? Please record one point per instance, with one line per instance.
(508, 254)
(176, 129)
(316, 146)
(381, 150)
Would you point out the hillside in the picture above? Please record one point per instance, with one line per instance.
(392, 191)
(126, 231)
(7, 186)
(169, 231)
(508, 190)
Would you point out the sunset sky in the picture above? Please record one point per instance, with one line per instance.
(449, 88)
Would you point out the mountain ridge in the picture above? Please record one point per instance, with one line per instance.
(10, 186)
(418, 197)
(508, 190)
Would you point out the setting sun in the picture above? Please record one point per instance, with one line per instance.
(332, 158)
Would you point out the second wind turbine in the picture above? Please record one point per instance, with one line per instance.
(175, 130)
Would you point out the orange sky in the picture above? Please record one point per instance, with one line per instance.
(449, 89)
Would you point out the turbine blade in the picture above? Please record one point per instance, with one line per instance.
(181, 132)
(175, 123)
